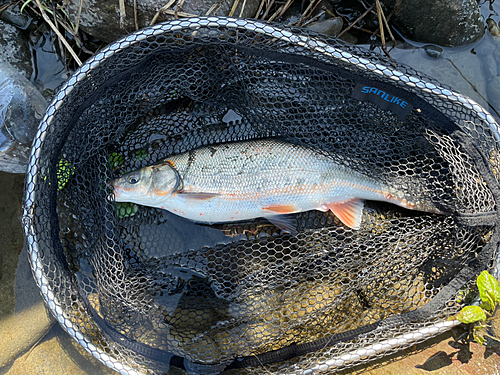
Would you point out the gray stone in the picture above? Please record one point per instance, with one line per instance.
(446, 23)
(349, 38)
(14, 16)
(331, 26)
(21, 109)
(433, 51)
(15, 50)
(454, 69)
(101, 18)
(492, 27)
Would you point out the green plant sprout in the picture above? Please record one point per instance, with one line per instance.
(489, 292)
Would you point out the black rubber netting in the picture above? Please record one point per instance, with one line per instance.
(148, 292)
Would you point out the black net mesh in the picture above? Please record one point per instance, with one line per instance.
(148, 292)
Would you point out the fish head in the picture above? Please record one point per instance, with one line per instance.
(148, 186)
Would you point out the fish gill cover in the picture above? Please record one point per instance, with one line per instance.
(148, 292)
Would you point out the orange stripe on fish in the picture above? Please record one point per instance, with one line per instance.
(297, 189)
(281, 209)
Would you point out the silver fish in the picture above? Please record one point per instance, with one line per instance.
(260, 178)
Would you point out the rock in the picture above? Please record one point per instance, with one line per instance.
(14, 16)
(446, 23)
(101, 18)
(331, 26)
(455, 69)
(433, 51)
(349, 38)
(492, 27)
(21, 109)
(15, 50)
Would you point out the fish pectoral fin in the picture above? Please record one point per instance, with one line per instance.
(349, 212)
(197, 195)
(281, 208)
(284, 222)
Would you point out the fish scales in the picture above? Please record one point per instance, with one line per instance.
(263, 178)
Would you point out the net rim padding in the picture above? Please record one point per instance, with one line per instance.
(305, 41)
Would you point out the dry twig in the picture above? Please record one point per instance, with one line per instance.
(5, 6)
(381, 18)
(356, 21)
(380, 23)
(260, 9)
(314, 19)
(178, 8)
(179, 14)
(78, 16)
(233, 9)
(268, 8)
(394, 9)
(55, 30)
(243, 8)
(281, 10)
(387, 25)
(122, 13)
(59, 40)
(162, 9)
(135, 16)
(308, 11)
(217, 5)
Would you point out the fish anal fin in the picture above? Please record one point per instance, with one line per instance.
(281, 208)
(284, 222)
(197, 195)
(349, 211)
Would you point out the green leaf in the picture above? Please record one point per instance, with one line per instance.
(471, 314)
(141, 154)
(24, 5)
(126, 209)
(479, 338)
(489, 290)
(64, 172)
(116, 159)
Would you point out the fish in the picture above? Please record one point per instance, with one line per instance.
(268, 178)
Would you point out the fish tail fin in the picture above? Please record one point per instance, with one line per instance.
(425, 205)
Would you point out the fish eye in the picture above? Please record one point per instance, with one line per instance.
(133, 178)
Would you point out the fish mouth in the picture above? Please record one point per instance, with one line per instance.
(116, 191)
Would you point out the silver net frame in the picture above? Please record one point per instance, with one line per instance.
(123, 360)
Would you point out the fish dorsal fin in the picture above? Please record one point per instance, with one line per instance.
(349, 212)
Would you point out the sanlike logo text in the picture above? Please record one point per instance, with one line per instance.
(384, 95)
(384, 98)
